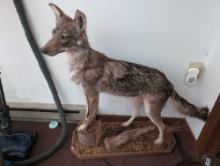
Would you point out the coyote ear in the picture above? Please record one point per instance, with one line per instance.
(60, 15)
(81, 20)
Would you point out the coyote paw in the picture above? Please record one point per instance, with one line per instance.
(158, 141)
(82, 127)
(125, 124)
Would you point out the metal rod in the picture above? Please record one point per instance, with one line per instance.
(2, 96)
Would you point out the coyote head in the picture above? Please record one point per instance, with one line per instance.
(68, 34)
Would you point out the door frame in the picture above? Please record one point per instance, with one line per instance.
(208, 142)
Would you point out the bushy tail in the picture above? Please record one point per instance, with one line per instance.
(189, 109)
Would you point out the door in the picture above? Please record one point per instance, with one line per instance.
(208, 142)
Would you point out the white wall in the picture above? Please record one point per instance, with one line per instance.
(167, 35)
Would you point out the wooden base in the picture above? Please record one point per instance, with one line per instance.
(143, 145)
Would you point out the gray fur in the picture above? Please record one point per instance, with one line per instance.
(97, 73)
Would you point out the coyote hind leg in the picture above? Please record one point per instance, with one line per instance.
(153, 110)
(138, 101)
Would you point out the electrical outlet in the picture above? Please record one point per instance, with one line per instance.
(194, 72)
(198, 65)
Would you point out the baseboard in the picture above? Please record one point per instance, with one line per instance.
(45, 112)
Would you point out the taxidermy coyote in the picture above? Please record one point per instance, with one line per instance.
(96, 73)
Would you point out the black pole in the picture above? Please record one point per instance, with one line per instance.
(2, 95)
(5, 119)
(42, 64)
(2, 163)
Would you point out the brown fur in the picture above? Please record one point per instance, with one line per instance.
(97, 73)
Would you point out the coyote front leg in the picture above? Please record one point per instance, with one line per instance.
(92, 109)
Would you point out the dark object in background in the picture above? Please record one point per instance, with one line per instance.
(1, 158)
(5, 120)
(15, 146)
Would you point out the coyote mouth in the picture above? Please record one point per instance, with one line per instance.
(44, 51)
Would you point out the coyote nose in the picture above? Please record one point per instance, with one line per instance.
(44, 50)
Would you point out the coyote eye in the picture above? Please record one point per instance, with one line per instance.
(64, 38)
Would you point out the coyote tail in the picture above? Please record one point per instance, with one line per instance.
(186, 108)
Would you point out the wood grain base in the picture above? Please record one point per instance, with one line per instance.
(143, 145)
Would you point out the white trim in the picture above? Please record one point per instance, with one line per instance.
(45, 116)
